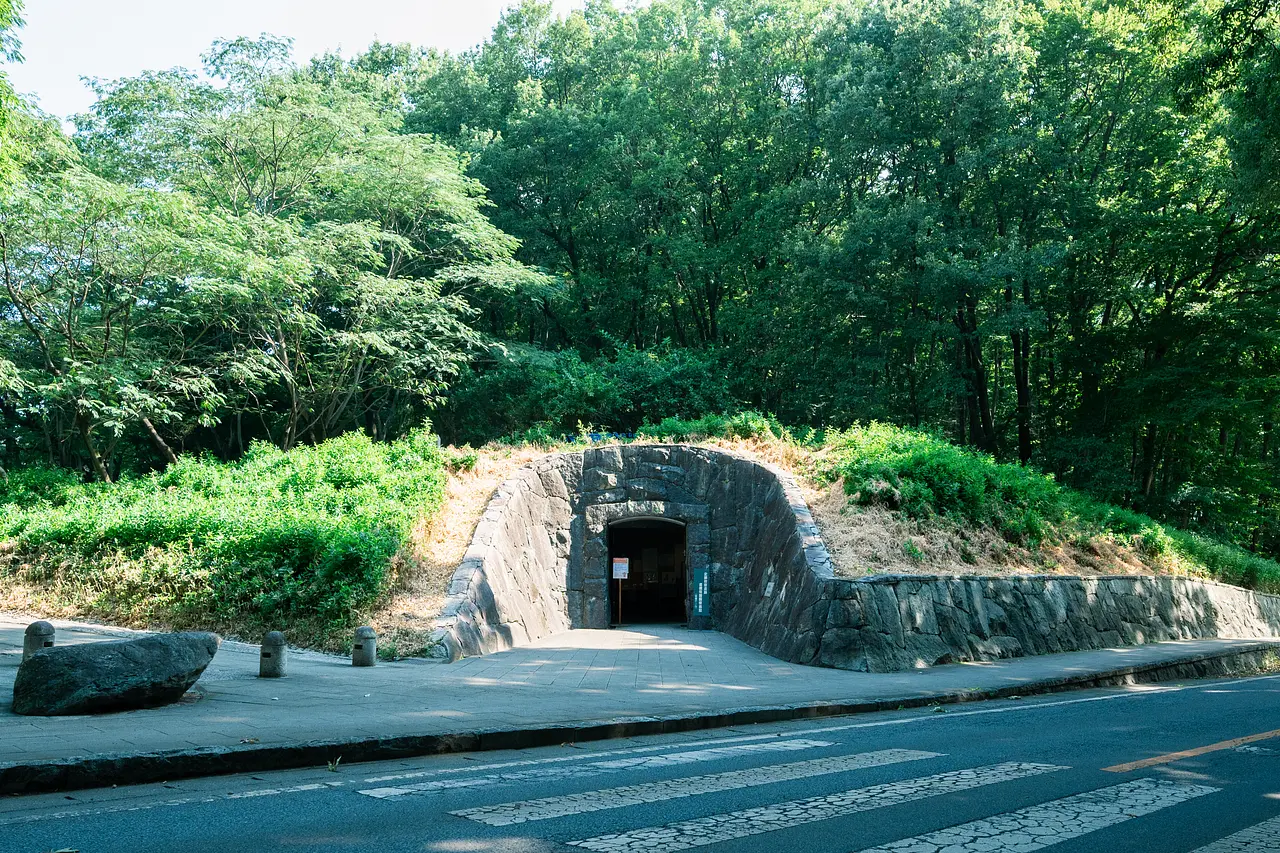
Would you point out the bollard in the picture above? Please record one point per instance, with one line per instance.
(365, 650)
(272, 661)
(39, 636)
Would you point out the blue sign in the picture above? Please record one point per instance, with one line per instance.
(702, 592)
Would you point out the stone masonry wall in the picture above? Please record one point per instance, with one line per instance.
(538, 562)
(538, 565)
(894, 622)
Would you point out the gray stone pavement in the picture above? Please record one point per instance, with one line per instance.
(572, 679)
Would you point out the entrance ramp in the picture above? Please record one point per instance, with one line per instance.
(654, 657)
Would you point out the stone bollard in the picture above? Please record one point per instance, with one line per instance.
(365, 650)
(272, 661)
(39, 636)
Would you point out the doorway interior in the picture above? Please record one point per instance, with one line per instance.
(656, 588)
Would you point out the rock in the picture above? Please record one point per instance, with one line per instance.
(111, 676)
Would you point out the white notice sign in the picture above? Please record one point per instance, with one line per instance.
(621, 566)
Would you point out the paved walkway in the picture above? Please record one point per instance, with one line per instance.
(570, 679)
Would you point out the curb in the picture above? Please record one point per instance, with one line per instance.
(132, 769)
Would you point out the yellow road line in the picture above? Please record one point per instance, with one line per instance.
(1190, 753)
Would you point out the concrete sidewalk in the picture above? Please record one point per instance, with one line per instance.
(580, 685)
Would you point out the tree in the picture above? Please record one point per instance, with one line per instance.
(256, 257)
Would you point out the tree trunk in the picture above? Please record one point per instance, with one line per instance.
(1022, 384)
(87, 436)
(982, 424)
(165, 450)
(1148, 465)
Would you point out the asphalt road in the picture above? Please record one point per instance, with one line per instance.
(1090, 771)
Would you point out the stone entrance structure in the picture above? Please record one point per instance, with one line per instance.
(755, 568)
(539, 562)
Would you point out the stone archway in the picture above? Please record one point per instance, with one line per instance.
(657, 588)
(595, 559)
(538, 562)
(538, 565)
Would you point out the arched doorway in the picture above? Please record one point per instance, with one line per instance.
(655, 588)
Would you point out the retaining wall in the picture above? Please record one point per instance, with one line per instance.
(893, 622)
(537, 565)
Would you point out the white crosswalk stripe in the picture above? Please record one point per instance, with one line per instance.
(582, 755)
(1044, 825)
(1260, 838)
(598, 768)
(740, 824)
(544, 808)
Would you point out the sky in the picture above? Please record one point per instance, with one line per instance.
(65, 40)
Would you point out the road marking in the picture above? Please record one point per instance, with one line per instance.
(582, 755)
(1260, 838)
(597, 768)
(133, 806)
(1170, 757)
(1051, 823)
(1141, 693)
(1031, 705)
(544, 808)
(740, 824)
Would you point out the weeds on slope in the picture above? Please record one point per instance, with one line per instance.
(303, 540)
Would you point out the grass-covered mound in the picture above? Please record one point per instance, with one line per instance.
(938, 488)
(305, 541)
(321, 538)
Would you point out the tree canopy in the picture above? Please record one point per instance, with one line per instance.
(1047, 229)
(258, 254)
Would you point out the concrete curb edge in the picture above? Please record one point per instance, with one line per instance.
(138, 768)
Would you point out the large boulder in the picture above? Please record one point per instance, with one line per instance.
(111, 676)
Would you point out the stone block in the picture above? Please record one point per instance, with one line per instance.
(598, 480)
(112, 676)
(604, 458)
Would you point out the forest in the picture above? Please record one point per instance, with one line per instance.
(1045, 230)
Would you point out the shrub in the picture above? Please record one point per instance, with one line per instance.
(527, 391)
(923, 476)
(746, 424)
(276, 539)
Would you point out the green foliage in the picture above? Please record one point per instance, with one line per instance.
(303, 538)
(748, 424)
(1046, 230)
(923, 476)
(10, 21)
(461, 458)
(538, 395)
(258, 255)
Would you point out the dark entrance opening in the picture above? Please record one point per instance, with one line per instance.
(655, 589)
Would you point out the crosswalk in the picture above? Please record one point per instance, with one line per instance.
(913, 776)
(1041, 826)
(543, 808)
(596, 768)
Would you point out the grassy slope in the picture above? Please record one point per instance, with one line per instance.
(307, 540)
(322, 538)
(940, 497)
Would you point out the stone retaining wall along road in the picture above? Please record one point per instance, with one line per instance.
(537, 565)
(893, 622)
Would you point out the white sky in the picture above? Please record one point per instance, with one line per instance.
(65, 40)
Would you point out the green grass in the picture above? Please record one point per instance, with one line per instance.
(923, 476)
(303, 541)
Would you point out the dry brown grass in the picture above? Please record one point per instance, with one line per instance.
(873, 540)
(424, 569)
